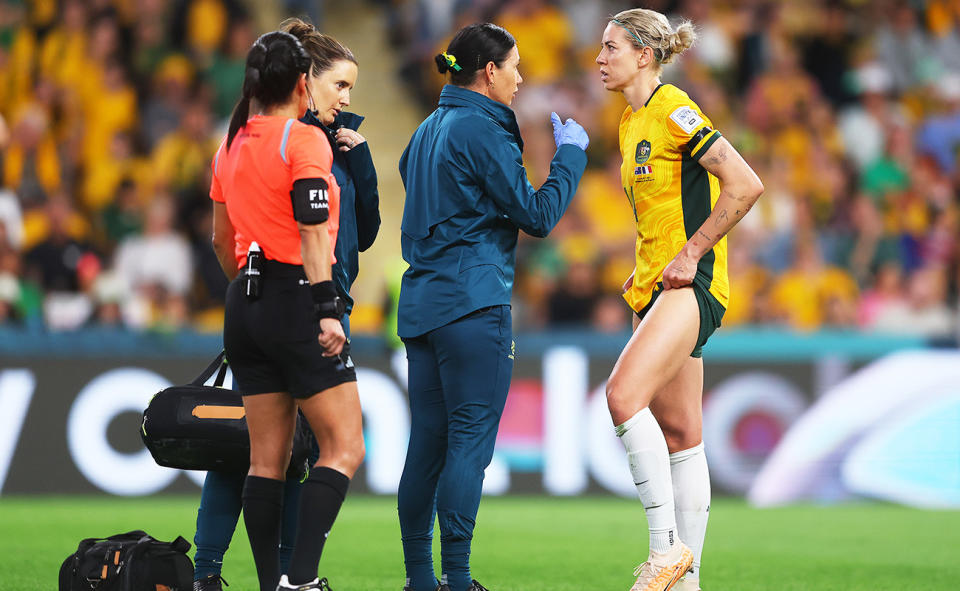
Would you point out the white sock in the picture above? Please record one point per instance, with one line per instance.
(650, 467)
(691, 494)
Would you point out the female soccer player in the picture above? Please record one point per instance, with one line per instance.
(467, 198)
(333, 74)
(273, 185)
(688, 187)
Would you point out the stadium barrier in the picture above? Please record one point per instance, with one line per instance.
(70, 408)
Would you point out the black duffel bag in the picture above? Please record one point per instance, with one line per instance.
(197, 427)
(132, 561)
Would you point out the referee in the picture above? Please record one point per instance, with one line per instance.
(275, 220)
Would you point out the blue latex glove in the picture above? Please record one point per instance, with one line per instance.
(569, 132)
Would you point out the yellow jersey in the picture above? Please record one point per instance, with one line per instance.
(671, 194)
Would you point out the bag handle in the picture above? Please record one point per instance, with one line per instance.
(180, 545)
(221, 363)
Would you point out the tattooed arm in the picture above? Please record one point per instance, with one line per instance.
(739, 190)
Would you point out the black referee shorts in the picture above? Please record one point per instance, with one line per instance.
(271, 342)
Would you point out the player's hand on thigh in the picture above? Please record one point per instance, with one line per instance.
(681, 271)
(331, 336)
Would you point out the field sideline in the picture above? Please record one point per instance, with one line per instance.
(537, 544)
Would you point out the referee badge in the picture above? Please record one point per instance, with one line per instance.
(643, 152)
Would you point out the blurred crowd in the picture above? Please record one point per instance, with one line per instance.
(112, 112)
(848, 110)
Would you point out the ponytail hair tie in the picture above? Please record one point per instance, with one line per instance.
(451, 61)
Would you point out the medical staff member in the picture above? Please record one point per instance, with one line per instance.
(331, 78)
(467, 198)
(273, 186)
(687, 187)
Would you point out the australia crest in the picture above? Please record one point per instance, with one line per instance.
(643, 152)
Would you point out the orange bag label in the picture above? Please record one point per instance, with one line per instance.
(212, 411)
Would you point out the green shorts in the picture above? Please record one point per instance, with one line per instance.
(711, 311)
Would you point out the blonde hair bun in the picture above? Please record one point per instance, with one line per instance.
(652, 29)
(679, 41)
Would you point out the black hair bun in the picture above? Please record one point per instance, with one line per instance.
(442, 66)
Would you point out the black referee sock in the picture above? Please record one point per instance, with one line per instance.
(320, 501)
(262, 508)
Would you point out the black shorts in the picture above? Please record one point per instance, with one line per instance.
(271, 342)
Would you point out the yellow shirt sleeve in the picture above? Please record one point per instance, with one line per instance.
(688, 128)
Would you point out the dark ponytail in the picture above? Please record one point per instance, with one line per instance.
(471, 49)
(274, 64)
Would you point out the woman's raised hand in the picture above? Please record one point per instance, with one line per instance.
(569, 132)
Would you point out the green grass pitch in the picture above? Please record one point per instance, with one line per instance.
(537, 543)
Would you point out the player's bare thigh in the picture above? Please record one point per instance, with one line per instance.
(678, 407)
(655, 354)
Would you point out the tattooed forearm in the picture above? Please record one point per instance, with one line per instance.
(702, 234)
(722, 219)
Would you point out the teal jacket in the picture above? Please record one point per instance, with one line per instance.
(359, 201)
(467, 198)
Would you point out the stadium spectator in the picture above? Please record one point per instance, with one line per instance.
(123, 216)
(11, 220)
(886, 292)
(166, 99)
(852, 120)
(31, 163)
(100, 183)
(575, 300)
(110, 296)
(939, 134)
(52, 263)
(181, 158)
(225, 73)
(158, 264)
(806, 294)
(9, 296)
(924, 312)
(901, 46)
(545, 33)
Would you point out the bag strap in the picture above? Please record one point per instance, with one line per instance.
(221, 363)
(179, 545)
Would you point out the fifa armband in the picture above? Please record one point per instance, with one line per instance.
(310, 201)
(326, 302)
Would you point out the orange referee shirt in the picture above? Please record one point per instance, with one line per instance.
(254, 179)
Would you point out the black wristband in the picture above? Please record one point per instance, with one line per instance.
(326, 302)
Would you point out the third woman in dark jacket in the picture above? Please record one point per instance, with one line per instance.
(467, 199)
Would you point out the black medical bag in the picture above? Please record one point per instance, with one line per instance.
(133, 561)
(198, 427)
